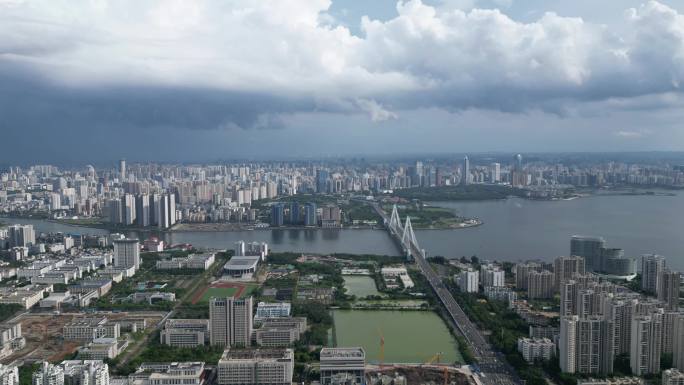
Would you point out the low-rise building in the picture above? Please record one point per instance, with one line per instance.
(613, 381)
(11, 339)
(9, 375)
(256, 367)
(272, 310)
(152, 297)
(26, 296)
(185, 332)
(193, 261)
(533, 349)
(350, 362)
(669, 377)
(102, 349)
(174, 373)
(88, 329)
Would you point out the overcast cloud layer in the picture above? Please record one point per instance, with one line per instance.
(162, 71)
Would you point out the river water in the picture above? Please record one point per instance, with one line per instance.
(513, 229)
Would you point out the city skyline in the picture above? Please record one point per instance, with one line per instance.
(325, 78)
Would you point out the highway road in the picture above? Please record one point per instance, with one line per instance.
(496, 371)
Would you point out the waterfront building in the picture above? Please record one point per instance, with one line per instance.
(231, 321)
(589, 248)
(277, 215)
(347, 362)
(256, 367)
(465, 172)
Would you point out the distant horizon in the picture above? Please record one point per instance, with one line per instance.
(474, 156)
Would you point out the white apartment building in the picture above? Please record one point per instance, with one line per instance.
(468, 281)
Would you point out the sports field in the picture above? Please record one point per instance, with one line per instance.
(223, 289)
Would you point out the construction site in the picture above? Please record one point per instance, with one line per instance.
(44, 334)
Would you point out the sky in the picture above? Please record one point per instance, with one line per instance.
(205, 80)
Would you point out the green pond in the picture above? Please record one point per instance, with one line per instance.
(410, 336)
(360, 285)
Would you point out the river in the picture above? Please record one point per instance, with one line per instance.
(513, 229)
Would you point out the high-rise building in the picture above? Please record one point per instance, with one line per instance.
(565, 268)
(586, 345)
(644, 354)
(495, 173)
(9, 375)
(522, 272)
(620, 312)
(277, 215)
(491, 276)
(540, 284)
(21, 235)
(668, 288)
(468, 281)
(678, 344)
(310, 215)
(126, 253)
(128, 204)
(142, 210)
(589, 248)
(48, 374)
(322, 177)
(652, 266)
(343, 366)
(293, 218)
(122, 169)
(465, 171)
(231, 321)
(256, 367)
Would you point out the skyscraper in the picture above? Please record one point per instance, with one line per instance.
(9, 374)
(589, 248)
(127, 253)
(294, 213)
(322, 181)
(540, 284)
(231, 321)
(129, 214)
(122, 169)
(465, 171)
(495, 173)
(652, 266)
